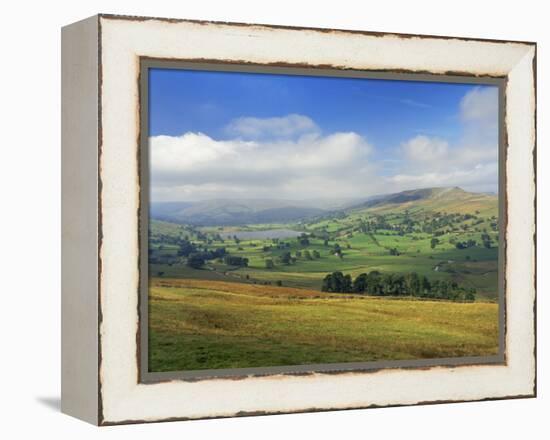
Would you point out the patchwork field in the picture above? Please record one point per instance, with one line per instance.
(412, 275)
(198, 324)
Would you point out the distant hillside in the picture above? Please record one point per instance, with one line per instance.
(233, 212)
(226, 212)
(450, 200)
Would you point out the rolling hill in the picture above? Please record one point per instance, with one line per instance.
(448, 199)
(232, 212)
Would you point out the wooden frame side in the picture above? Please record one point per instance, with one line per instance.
(80, 226)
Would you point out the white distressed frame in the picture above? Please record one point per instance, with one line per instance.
(122, 42)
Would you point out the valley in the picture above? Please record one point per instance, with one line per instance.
(403, 276)
(441, 234)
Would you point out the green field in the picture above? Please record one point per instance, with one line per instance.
(199, 324)
(226, 296)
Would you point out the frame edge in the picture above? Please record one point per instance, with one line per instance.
(80, 224)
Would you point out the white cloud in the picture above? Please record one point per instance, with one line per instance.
(480, 104)
(431, 153)
(288, 157)
(470, 162)
(276, 127)
(422, 148)
(477, 178)
(196, 166)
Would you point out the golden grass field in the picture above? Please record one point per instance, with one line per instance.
(202, 324)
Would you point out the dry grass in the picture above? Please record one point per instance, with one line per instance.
(200, 324)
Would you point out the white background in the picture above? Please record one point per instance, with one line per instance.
(30, 217)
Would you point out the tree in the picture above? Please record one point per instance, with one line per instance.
(392, 284)
(233, 260)
(269, 263)
(286, 258)
(434, 243)
(425, 286)
(186, 247)
(412, 284)
(303, 239)
(307, 255)
(347, 284)
(195, 260)
(374, 283)
(360, 283)
(486, 239)
(337, 282)
(316, 254)
(328, 285)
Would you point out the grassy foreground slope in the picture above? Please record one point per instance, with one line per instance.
(205, 324)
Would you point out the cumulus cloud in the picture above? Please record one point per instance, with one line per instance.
(423, 148)
(480, 105)
(471, 162)
(289, 157)
(194, 165)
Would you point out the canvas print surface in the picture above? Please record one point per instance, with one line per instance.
(299, 220)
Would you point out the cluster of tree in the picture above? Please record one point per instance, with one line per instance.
(465, 244)
(314, 255)
(199, 258)
(287, 258)
(200, 235)
(186, 247)
(487, 240)
(443, 220)
(337, 250)
(337, 282)
(437, 223)
(303, 239)
(390, 284)
(234, 260)
(394, 251)
(278, 245)
(283, 245)
(196, 260)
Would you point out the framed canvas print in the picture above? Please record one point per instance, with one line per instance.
(262, 219)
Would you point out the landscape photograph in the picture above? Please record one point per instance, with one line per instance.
(303, 220)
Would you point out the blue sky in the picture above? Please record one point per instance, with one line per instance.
(402, 133)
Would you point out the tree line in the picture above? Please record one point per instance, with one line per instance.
(391, 284)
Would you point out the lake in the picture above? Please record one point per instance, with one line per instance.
(262, 235)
